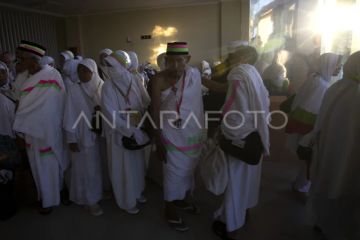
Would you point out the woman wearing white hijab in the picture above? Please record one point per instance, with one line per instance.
(335, 194)
(126, 167)
(47, 60)
(69, 73)
(103, 68)
(304, 111)
(83, 140)
(5, 85)
(64, 56)
(7, 105)
(133, 68)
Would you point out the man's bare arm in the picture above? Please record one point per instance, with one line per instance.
(156, 88)
(215, 86)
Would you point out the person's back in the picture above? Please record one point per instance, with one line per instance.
(297, 70)
(335, 194)
(246, 95)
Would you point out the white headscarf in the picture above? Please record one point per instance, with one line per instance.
(134, 65)
(352, 67)
(93, 87)
(145, 98)
(106, 51)
(309, 96)
(46, 60)
(70, 70)
(327, 65)
(67, 55)
(6, 87)
(232, 46)
(118, 72)
(161, 61)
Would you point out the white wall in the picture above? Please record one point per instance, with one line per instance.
(207, 28)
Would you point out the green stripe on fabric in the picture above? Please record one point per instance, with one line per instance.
(177, 50)
(303, 116)
(49, 85)
(46, 154)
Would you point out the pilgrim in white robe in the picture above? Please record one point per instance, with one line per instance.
(86, 169)
(183, 144)
(39, 118)
(7, 106)
(69, 73)
(139, 80)
(126, 167)
(242, 192)
(305, 108)
(335, 195)
(7, 113)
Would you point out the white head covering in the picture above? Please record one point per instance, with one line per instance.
(118, 72)
(275, 73)
(93, 87)
(161, 61)
(352, 67)
(232, 46)
(106, 51)
(70, 70)
(134, 62)
(327, 65)
(6, 86)
(67, 55)
(46, 60)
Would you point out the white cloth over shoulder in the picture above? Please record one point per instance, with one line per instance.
(183, 144)
(251, 97)
(40, 111)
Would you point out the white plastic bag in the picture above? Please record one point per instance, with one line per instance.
(214, 168)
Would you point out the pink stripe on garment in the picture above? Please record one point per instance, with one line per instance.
(50, 82)
(178, 46)
(231, 99)
(45, 150)
(29, 89)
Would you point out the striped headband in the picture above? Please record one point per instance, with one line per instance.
(32, 48)
(177, 48)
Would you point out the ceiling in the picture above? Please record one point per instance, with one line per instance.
(82, 7)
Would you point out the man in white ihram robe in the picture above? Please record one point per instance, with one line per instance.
(242, 192)
(39, 118)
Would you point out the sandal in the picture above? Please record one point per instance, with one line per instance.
(178, 224)
(190, 208)
(219, 228)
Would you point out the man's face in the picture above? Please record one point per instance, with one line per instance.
(3, 77)
(24, 60)
(176, 63)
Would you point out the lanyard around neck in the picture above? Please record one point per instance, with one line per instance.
(178, 103)
(127, 95)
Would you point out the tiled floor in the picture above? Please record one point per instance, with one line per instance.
(280, 215)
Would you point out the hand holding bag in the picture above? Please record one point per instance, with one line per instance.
(214, 167)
